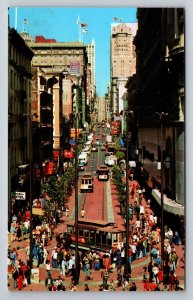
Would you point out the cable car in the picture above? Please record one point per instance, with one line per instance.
(96, 234)
(86, 184)
(103, 172)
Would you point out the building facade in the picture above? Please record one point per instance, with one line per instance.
(19, 118)
(67, 62)
(160, 100)
(123, 61)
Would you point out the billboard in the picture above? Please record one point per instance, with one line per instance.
(75, 67)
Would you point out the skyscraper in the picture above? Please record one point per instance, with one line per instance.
(123, 61)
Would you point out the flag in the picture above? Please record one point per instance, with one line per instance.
(84, 30)
(115, 19)
(84, 24)
(78, 21)
(25, 21)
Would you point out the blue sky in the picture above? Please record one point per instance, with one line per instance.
(61, 23)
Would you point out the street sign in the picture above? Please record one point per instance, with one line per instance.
(72, 142)
(19, 195)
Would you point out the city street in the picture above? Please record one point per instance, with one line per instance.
(95, 206)
(96, 156)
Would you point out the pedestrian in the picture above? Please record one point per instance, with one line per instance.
(12, 232)
(170, 235)
(173, 260)
(86, 288)
(133, 287)
(152, 285)
(146, 285)
(20, 279)
(82, 213)
(15, 275)
(63, 267)
(18, 233)
(155, 271)
(67, 210)
(49, 281)
(88, 272)
(72, 273)
(111, 285)
(55, 258)
(48, 268)
(104, 276)
(14, 219)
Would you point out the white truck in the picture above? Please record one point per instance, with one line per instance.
(111, 160)
(83, 158)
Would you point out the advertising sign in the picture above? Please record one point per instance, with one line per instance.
(68, 154)
(75, 67)
(20, 195)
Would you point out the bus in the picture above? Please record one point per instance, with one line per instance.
(86, 183)
(103, 172)
(96, 234)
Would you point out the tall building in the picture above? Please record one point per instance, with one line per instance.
(160, 90)
(123, 61)
(20, 118)
(90, 48)
(66, 61)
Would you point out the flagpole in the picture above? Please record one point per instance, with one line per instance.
(79, 28)
(16, 18)
(80, 32)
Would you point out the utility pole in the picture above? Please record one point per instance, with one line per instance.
(127, 194)
(161, 116)
(76, 198)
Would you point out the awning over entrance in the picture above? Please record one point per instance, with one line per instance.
(169, 205)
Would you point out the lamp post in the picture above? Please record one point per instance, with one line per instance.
(161, 116)
(76, 201)
(30, 116)
(127, 194)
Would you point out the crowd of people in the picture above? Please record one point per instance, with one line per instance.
(144, 241)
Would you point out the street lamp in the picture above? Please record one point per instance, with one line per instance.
(30, 116)
(127, 194)
(76, 200)
(161, 116)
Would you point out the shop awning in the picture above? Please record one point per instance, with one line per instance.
(169, 205)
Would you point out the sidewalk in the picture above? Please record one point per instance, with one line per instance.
(137, 266)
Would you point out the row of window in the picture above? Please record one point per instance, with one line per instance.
(17, 83)
(57, 51)
(19, 58)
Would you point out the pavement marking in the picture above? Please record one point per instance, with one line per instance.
(110, 212)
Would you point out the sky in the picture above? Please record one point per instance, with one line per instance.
(61, 24)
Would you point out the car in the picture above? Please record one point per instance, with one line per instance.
(103, 148)
(97, 144)
(98, 137)
(87, 151)
(94, 149)
(81, 166)
(108, 153)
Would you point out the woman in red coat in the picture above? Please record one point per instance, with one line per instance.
(20, 280)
